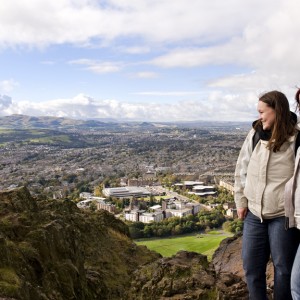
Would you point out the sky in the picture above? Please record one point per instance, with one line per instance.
(146, 60)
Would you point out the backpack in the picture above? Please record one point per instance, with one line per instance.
(256, 138)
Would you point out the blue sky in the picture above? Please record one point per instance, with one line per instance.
(147, 60)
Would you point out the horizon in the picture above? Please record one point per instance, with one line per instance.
(146, 60)
(111, 120)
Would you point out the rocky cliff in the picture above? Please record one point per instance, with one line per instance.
(51, 250)
(227, 258)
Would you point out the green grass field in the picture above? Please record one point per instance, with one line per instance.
(202, 243)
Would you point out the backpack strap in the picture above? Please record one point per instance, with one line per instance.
(297, 144)
(256, 138)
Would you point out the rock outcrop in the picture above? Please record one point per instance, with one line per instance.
(51, 250)
(184, 276)
(227, 258)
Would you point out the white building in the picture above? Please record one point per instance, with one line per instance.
(178, 212)
(203, 190)
(142, 216)
(195, 207)
(188, 184)
(126, 192)
(85, 195)
(132, 215)
(228, 186)
(151, 217)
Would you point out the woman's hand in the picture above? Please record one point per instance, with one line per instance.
(242, 212)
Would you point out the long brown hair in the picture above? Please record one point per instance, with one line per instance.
(283, 127)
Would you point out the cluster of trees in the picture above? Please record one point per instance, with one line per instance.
(204, 220)
(234, 226)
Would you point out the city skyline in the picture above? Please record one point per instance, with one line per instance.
(146, 60)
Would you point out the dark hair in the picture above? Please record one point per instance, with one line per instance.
(283, 127)
(297, 96)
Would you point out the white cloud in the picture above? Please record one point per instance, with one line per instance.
(267, 46)
(45, 22)
(97, 66)
(146, 74)
(83, 106)
(168, 94)
(135, 49)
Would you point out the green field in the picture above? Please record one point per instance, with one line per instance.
(202, 243)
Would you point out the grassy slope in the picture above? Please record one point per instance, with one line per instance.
(202, 243)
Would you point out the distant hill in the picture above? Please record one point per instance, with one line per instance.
(17, 121)
(22, 121)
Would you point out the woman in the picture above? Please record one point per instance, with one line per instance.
(292, 200)
(260, 177)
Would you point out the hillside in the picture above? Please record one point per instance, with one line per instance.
(51, 250)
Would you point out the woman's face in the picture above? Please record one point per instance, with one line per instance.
(266, 115)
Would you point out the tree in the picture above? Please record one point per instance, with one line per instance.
(147, 232)
(93, 206)
(98, 191)
(177, 230)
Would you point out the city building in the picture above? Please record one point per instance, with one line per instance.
(99, 202)
(169, 208)
(126, 192)
(232, 212)
(228, 186)
(141, 182)
(133, 215)
(151, 217)
(179, 212)
(188, 185)
(203, 190)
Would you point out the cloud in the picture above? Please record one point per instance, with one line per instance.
(43, 22)
(135, 49)
(7, 86)
(146, 74)
(97, 66)
(5, 102)
(168, 94)
(83, 106)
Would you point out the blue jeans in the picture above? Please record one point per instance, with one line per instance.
(260, 239)
(295, 280)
